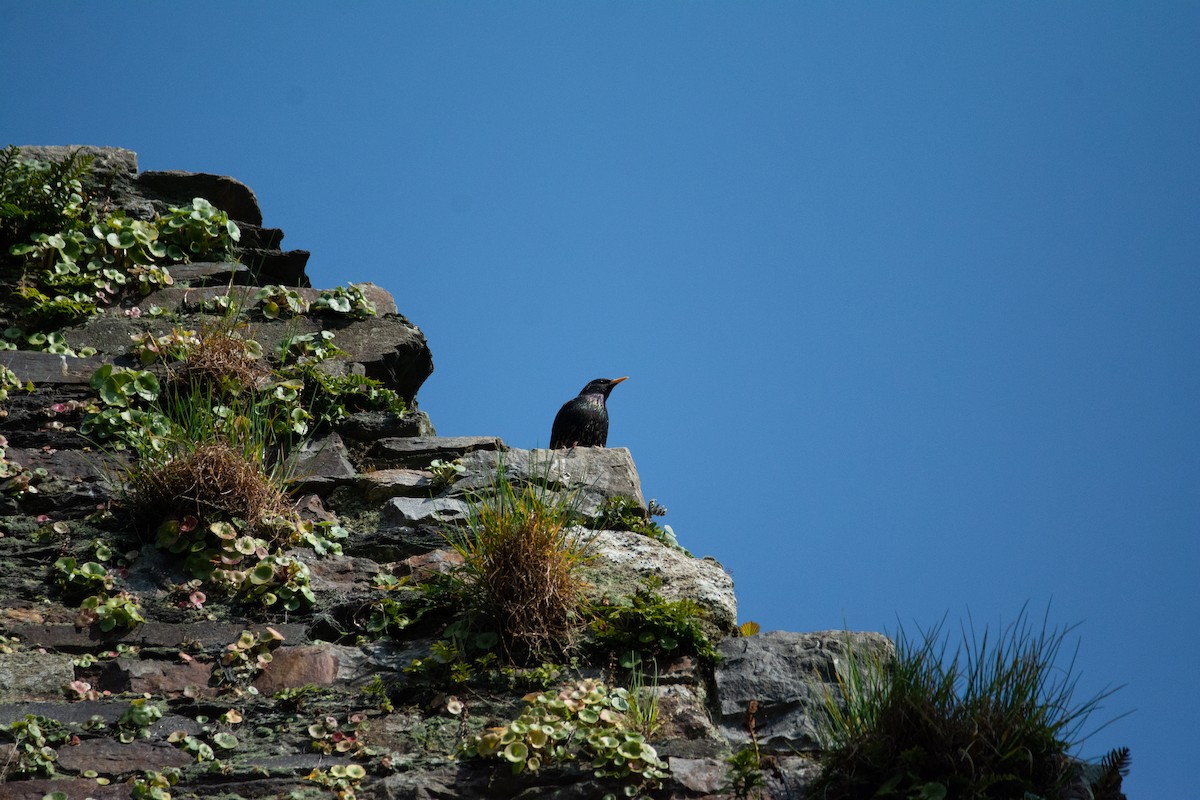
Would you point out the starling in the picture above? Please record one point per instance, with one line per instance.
(583, 421)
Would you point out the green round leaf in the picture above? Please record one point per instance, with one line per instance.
(225, 740)
(146, 385)
(515, 752)
(263, 573)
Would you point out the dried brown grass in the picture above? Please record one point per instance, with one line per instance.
(221, 360)
(521, 555)
(213, 481)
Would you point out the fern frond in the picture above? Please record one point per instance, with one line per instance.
(1113, 767)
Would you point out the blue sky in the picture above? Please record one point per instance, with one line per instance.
(908, 293)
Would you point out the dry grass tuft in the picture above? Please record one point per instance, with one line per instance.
(214, 481)
(521, 555)
(224, 361)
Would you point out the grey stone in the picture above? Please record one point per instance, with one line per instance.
(99, 469)
(385, 483)
(685, 728)
(37, 789)
(700, 775)
(111, 757)
(583, 476)
(625, 560)
(424, 511)
(51, 367)
(324, 459)
(416, 452)
(789, 676)
(285, 267)
(165, 678)
(27, 675)
(370, 426)
(208, 636)
(341, 574)
(321, 664)
(386, 348)
(212, 273)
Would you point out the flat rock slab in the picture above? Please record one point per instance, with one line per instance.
(416, 452)
(230, 195)
(426, 512)
(322, 460)
(790, 676)
(201, 635)
(157, 677)
(383, 484)
(318, 665)
(51, 367)
(111, 757)
(706, 776)
(582, 476)
(387, 348)
(71, 787)
(370, 426)
(105, 160)
(28, 675)
(79, 714)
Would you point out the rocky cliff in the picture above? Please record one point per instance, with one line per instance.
(138, 656)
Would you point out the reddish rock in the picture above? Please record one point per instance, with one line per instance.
(160, 678)
(420, 567)
(299, 666)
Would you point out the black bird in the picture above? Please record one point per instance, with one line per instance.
(583, 421)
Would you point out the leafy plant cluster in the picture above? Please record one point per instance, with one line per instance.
(33, 738)
(211, 442)
(644, 626)
(14, 478)
(154, 784)
(244, 659)
(992, 720)
(281, 302)
(224, 555)
(71, 257)
(342, 779)
(445, 472)
(460, 655)
(135, 721)
(329, 736)
(216, 380)
(587, 720)
(90, 584)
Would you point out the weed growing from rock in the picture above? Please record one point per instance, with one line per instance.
(72, 256)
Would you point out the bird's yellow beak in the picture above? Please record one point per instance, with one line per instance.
(618, 380)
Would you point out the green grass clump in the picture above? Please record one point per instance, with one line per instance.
(994, 720)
